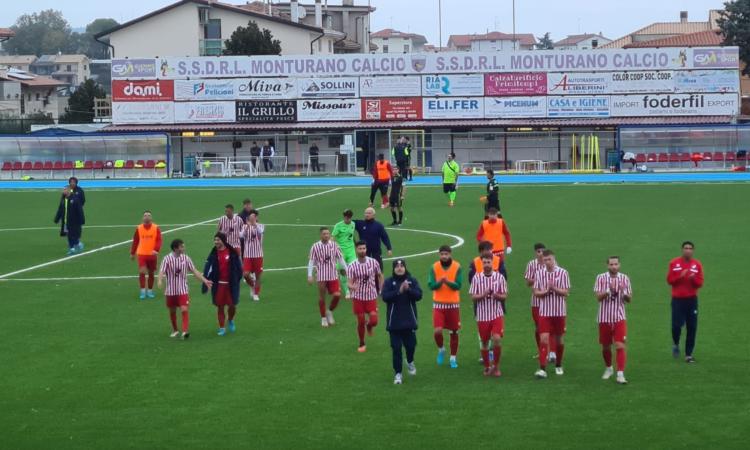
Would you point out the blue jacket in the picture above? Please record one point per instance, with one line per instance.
(402, 306)
(211, 272)
(71, 222)
(372, 232)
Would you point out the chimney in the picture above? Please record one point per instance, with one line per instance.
(294, 5)
(318, 14)
(683, 16)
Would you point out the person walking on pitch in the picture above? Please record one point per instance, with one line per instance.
(343, 233)
(532, 268)
(487, 289)
(146, 245)
(381, 177)
(396, 197)
(231, 225)
(373, 233)
(401, 292)
(445, 284)
(252, 257)
(686, 278)
(224, 269)
(551, 286)
(324, 255)
(365, 283)
(70, 215)
(612, 290)
(450, 171)
(495, 230)
(400, 153)
(493, 192)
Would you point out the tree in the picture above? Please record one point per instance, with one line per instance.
(251, 41)
(735, 26)
(545, 42)
(92, 48)
(46, 32)
(81, 103)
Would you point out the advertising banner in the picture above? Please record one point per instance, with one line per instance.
(675, 105)
(711, 58)
(452, 85)
(142, 112)
(266, 88)
(513, 107)
(453, 108)
(394, 86)
(344, 87)
(204, 112)
(134, 68)
(595, 83)
(266, 111)
(707, 81)
(201, 90)
(514, 84)
(315, 110)
(392, 108)
(142, 91)
(578, 106)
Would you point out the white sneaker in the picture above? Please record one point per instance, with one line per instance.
(256, 298)
(621, 378)
(559, 371)
(552, 357)
(329, 317)
(608, 372)
(411, 368)
(174, 334)
(398, 379)
(348, 296)
(324, 322)
(540, 373)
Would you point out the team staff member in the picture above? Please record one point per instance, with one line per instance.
(445, 284)
(493, 192)
(686, 278)
(495, 230)
(224, 269)
(70, 215)
(146, 245)
(373, 233)
(401, 292)
(400, 153)
(396, 197)
(450, 172)
(314, 158)
(612, 290)
(381, 174)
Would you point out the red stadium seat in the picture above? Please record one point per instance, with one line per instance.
(129, 164)
(38, 165)
(729, 156)
(674, 157)
(18, 165)
(708, 156)
(150, 164)
(7, 165)
(27, 165)
(98, 165)
(140, 163)
(718, 156)
(685, 157)
(58, 165)
(663, 158)
(68, 165)
(88, 165)
(742, 157)
(640, 158)
(48, 165)
(651, 157)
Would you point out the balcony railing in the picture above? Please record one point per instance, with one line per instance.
(211, 47)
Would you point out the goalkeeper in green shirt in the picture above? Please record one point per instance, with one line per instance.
(343, 233)
(450, 171)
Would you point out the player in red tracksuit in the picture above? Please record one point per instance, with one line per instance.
(686, 278)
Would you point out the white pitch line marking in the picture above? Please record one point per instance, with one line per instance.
(117, 244)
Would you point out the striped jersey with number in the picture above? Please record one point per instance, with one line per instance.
(612, 307)
(232, 227)
(253, 236)
(324, 256)
(175, 269)
(552, 304)
(530, 275)
(365, 278)
(488, 308)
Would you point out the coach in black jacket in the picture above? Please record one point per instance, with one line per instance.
(401, 292)
(211, 269)
(70, 215)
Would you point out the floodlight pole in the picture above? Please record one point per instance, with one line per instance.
(440, 23)
(514, 25)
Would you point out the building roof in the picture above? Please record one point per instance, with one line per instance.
(459, 40)
(32, 81)
(7, 33)
(212, 4)
(574, 39)
(522, 38)
(286, 5)
(391, 33)
(17, 59)
(70, 58)
(666, 29)
(708, 38)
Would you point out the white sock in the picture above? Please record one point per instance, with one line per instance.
(453, 358)
(441, 349)
(143, 291)
(620, 373)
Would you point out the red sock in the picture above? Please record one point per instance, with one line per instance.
(335, 302)
(620, 355)
(498, 351)
(607, 354)
(385, 199)
(232, 312)
(552, 344)
(454, 344)
(220, 315)
(372, 322)
(361, 328)
(485, 357)
(543, 352)
(173, 319)
(439, 339)
(151, 280)
(560, 350)
(322, 307)
(185, 321)
(257, 287)
(142, 280)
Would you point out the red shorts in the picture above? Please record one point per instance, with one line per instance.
(364, 306)
(612, 332)
(147, 261)
(238, 250)
(491, 327)
(450, 319)
(175, 301)
(252, 265)
(223, 295)
(331, 286)
(552, 325)
(535, 316)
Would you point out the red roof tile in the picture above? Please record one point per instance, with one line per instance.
(522, 38)
(391, 33)
(708, 38)
(6, 33)
(573, 39)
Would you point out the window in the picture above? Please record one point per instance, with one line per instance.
(211, 44)
(406, 48)
(38, 96)
(57, 68)
(330, 46)
(85, 67)
(212, 29)
(202, 15)
(385, 49)
(68, 68)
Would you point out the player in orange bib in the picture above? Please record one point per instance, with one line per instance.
(146, 245)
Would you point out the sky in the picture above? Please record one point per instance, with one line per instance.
(614, 18)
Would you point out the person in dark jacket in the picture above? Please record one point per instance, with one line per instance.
(400, 152)
(401, 292)
(268, 152)
(315, 158)
(224, 269)
(70, 215)
(373, 232)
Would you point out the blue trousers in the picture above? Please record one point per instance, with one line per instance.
(685, 312)
(406, 339)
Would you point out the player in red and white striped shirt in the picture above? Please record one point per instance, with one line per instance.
(231, 225)
(532, 268)
(252, 257)
(174, 268)
(365, 281)
(612, 290)
(551, 287)
(487, 289)
(324, 255)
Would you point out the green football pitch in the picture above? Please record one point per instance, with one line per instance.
(85, 364)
